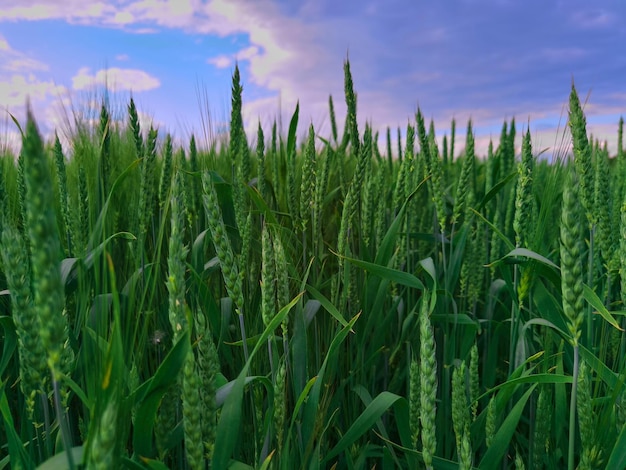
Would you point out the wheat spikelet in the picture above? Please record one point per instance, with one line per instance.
(414, 401)
(589, 452)
(221, 242)
(465, 183)
(48, 289)
(428, 383)
(59, 159)
(165, 180)
(192, 413)
(542, 427)
(260, 155)
(268, 278)
(524, 195)
(103, 454)
(82, 218)
(571, 264)
(602, 209)
(582, 154)
(474, 387)
(307, 186)
(104, 161)
(490, 422)
(460, 417)
(280, 412)
(208, 367)
(30, 349)
(135, 128)
(177, 255)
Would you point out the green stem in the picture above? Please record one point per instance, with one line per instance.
(61, 416)
(592, 230)
(514, 323)
(242, 326)
(572, 413)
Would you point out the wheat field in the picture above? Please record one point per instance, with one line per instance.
(274, 302)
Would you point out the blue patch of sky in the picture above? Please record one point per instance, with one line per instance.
(176, 58)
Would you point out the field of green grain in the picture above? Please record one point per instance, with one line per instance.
(275, 302)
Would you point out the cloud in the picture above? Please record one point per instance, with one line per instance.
(15, 91)
(593, 18)
(123, 18)
(221, 61)
(19, 82)
(116, 13)
(12, 60)
(169, 13)
(46, 99)
(224, 61)
(70, 10)
(116, 79)
(288, 57)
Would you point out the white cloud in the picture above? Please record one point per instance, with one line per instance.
(12, 60)
(224, 61)
(69, 10)
(287, 56)
(116, 79)
(18, 81)
(116, 13)
(122, 57)
(44, 97)
(170, 13)
(24, 63)
(248, 53)
(21, 81)
(221, 61)
(18, 88)
(123, 18)
(4, 45)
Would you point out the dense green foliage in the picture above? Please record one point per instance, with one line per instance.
(314, 304)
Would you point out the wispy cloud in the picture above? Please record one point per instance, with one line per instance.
(18, 81)
(70, 10)
(224, 61)
(588, 18)
(12, 60)
(221, 61)
(115, 79)
(15, 91)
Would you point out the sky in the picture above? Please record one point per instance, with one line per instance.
(488, 60)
